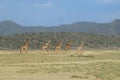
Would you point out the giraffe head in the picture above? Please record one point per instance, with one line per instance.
(48, 42)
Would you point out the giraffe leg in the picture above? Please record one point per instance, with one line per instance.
(43, 49)
(26, 50)
(66, 49)
(48, 49)
(57, 50)
(80, 52)
(21, 50)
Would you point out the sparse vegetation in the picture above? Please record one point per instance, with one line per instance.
(77, 76)
(94, 64)
(101, 70)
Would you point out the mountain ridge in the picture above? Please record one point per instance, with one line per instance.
(9, 27)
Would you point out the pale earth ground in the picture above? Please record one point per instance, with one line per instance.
(38, 65)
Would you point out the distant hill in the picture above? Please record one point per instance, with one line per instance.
(8, 28)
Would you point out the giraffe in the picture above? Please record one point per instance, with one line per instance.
(68, 45)
(58, 46)
(80, 48)
(24, 47)
(45, 46)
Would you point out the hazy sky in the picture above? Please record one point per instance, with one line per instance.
(56, 12)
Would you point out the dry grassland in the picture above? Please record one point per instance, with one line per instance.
(38, 65)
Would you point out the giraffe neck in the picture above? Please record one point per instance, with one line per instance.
(69, 43)
(47, 42)
(26, 43)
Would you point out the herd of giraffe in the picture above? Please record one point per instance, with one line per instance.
(46, 46)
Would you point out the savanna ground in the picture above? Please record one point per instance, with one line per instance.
(37, 65)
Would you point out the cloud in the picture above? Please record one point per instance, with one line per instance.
(43, 5)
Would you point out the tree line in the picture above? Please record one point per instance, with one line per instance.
(37, 39)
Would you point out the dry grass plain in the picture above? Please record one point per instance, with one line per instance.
(38, 65)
